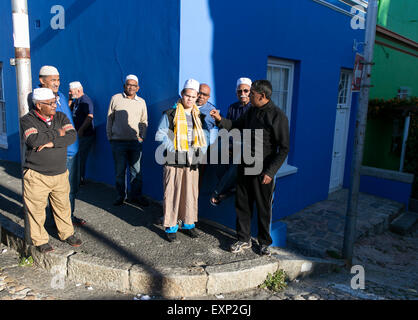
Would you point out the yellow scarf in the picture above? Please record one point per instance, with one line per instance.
(180, 129)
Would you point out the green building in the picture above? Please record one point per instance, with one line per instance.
(395, 74)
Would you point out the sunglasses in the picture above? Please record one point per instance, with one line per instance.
(245, 91)
(49, 104)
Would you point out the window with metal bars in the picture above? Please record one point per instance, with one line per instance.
(281, 75)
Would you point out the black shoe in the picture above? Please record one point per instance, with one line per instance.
(44, 248)
(265, 250)
(73, 241)
(141, 201)
(171, 237)
(118, 202)
(192, 233)
(78, 222)
(159, 221)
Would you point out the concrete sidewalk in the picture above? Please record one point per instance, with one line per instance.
(124, 248)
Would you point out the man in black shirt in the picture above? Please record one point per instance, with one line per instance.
(258, 187)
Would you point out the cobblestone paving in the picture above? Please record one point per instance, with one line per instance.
(318, 230)
(34, 283)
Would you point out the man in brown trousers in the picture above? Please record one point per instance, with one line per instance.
(47, 134)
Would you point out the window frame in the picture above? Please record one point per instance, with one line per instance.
(272, 62)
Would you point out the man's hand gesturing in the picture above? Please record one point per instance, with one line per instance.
(215, 115)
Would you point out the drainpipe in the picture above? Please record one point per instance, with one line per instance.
(22, 63)
(405, 137)
(360, 130)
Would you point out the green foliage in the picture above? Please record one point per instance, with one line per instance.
(275, 282)
(400, 108)
(26, 261)
(392, 108)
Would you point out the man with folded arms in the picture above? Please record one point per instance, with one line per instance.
(47, 134)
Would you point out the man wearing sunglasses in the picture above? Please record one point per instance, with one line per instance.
(228, 172)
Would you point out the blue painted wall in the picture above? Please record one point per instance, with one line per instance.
(103, 41)
(166, 42)
(395, 190)
(9, 83)
(317, 39)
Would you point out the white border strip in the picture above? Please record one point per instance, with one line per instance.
(333, 7)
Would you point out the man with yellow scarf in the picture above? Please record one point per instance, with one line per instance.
(182, 134)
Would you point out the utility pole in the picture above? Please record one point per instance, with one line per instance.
(360, 130)
(22, 63)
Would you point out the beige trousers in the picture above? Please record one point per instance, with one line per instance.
(181, 192)
(37, 188)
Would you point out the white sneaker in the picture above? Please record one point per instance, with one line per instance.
(240, 246)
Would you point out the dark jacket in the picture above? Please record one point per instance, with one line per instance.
(165, 134)
(36, 132)
(236, 110)
(275, 125)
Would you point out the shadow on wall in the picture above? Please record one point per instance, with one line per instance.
(151, 170)
(102, 74)
(71, 14)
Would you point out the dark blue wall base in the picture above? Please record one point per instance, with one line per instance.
(390, 189)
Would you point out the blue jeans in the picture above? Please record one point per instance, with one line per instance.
(84, 147)
(228, 178)
(127, 153)
(73, 166)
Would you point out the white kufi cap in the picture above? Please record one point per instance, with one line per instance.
(132, 77)
(48, 71)
(40, 94)
(75, 85)
(192, 84)
(246, 81)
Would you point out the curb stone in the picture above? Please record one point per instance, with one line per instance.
(171, 282)
(239, 276)
(98, 272)
(299, 267)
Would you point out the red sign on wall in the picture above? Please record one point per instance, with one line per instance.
(358, 73)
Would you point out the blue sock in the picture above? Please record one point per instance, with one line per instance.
(187, 226)
(172, 229)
